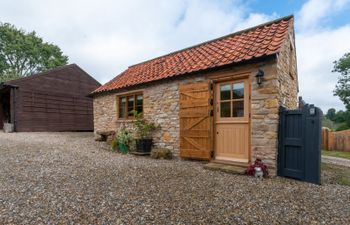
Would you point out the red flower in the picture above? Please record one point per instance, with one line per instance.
(257, 163)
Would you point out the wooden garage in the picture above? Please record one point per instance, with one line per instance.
(54, 100)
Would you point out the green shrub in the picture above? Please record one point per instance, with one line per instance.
(342, 126)
(143, 128)
(328, 123)
(122, 141)
(161, 153)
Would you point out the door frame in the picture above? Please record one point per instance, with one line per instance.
(231, 78)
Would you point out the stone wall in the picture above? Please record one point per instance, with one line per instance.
(287, 73)
(105, 112)
(161, 105)
(264, 119)
(280, 87)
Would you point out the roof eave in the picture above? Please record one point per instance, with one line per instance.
(253, 60)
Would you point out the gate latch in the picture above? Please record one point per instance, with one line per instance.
(312, 110)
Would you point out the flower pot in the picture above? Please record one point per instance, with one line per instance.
(144, 145)
(123, 148)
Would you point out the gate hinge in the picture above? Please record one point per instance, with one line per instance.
(211, 101)
(212, 154)
(211, 86)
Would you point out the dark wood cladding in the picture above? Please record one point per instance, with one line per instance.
(55, 100)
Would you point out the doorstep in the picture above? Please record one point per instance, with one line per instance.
(234, 169)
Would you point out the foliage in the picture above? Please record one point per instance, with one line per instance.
(114, 144)
(342, 89)
(257, 163)
(331, 114)
(7, 77)
(336, 174)
(340, 117)
(23, 54)
(339, 154)
(342, 126)
(341, 120)
(343, 117)
(161, 153)
(123, 138)
(143, 128)
(328, 123)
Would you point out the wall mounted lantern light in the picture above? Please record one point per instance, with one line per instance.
(259, 76)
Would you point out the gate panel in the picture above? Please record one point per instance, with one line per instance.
(313, 140)
(300, 143)
(195, 121)
(292, 146)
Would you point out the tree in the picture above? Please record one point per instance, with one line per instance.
(328, 123)
(330, 114)
(23, 54)
(342, 120)
(340, 116)
(342, 89)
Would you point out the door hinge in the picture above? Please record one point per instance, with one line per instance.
(212, 154)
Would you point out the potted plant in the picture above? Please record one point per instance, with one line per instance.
(144, 129)
(122, 141)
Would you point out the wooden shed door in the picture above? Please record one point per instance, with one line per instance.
(232, 121)
(195, 121)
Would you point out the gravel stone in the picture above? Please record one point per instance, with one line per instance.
(68, 178)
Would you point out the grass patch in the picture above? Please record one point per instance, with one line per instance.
(339, 154)
(335, 174)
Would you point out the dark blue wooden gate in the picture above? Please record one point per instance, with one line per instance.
(299, 151)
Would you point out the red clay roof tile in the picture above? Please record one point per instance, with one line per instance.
(255, 42)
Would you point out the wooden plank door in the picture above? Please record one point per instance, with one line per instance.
(195, 121)
(232, 139)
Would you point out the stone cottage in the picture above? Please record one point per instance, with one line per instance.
(217, 100)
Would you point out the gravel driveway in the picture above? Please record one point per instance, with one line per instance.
(336, 160)
(67, 178)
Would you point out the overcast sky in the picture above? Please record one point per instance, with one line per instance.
(104, 37)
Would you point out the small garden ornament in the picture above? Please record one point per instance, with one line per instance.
(258, 169)
(258, 172)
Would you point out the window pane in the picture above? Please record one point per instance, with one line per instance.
(130, 105)
(225, 90)
(122, 105)
(238, 90)
(139, 102)
(238, 109)
(225, 109)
